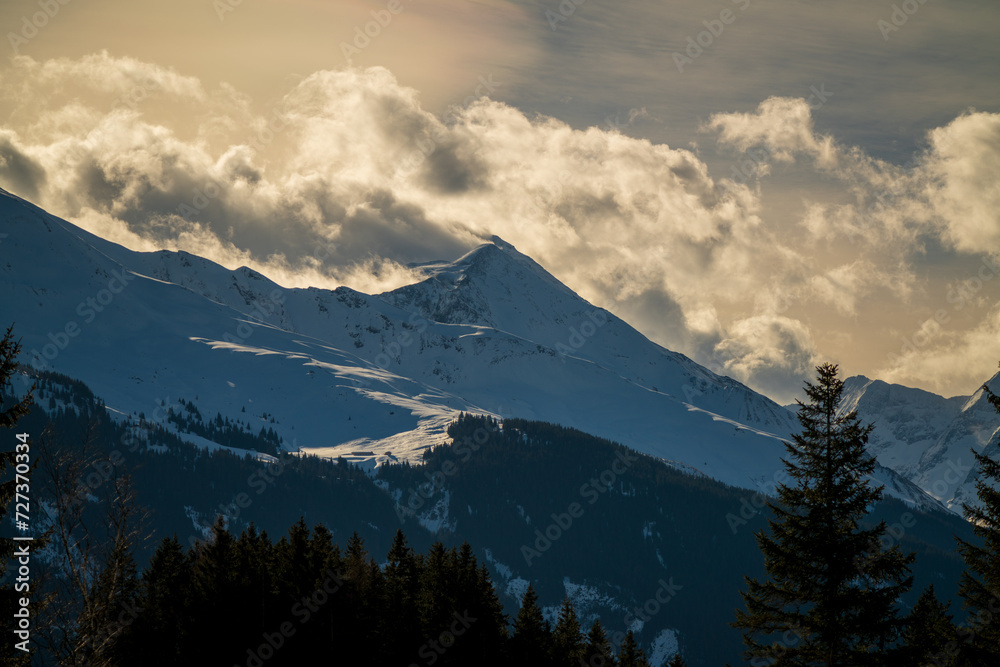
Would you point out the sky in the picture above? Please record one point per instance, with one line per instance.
(762, 185)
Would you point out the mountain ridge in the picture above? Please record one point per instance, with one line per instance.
(925, 437)
(340, 371)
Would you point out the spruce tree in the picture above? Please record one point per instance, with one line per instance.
(530, 644)
(930, 636)
(831, 596)
(630, 654)
(567, 638)
(677, 661)
(215, 583)
(401, 620)
(164, 608)
(980, 586)
(599, 652)
(489, 633)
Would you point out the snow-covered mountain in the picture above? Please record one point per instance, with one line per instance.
(373, 378)
(925, 437)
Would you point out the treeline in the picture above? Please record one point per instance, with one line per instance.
(223, 430)
(246, 600)
(180, 482)
(505, 482)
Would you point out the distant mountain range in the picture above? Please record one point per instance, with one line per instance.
(376, 378)
(177, 349)
(926, 438)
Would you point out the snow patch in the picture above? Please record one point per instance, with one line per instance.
(664, 647)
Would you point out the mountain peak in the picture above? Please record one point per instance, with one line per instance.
(491, 283)
(501, 244)
(499, 254)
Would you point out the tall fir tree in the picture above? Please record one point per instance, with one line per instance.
(401, 597)
(930, 636)
(832, 592)
(980, 586)
(163, 609)
(599, 653)
(531, 642)
(215, 583)
(630, 654)
(567, 638)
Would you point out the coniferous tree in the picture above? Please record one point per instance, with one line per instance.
(530, 644)
(831, 597)
(677, 661)
(630, 654)
(980, 587)
(489, 634)
(400, 607)
(599, 653)
(437, 601)
(215, 583)
(162, 610)
(930, 636)
(567, 638)
(256, 574)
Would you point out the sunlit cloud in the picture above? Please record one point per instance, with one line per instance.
(347, 179)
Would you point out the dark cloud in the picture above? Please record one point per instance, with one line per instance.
(19, 173)
(450, 169)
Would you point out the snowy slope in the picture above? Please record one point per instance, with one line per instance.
(496, 286)
(927, 438)
(344, 373)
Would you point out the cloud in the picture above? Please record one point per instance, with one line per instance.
(956, 361)
(963, 169)
(24, 173)
(774, 352)
(781, 124)
(347, 179)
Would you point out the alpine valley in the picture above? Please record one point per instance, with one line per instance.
(486, 403)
